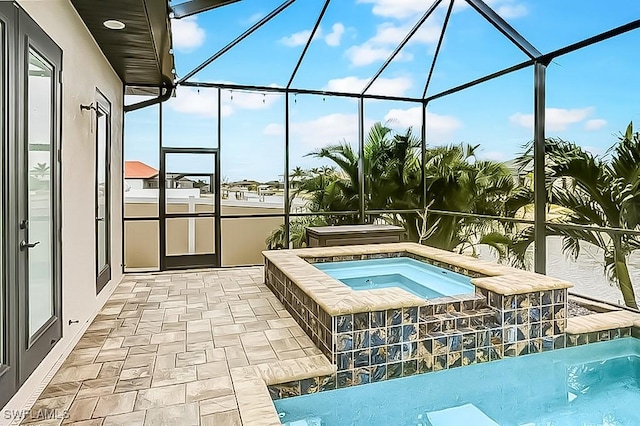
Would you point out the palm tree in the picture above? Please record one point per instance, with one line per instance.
(39, 176)
(594, 191)
(455, 179)
(391, 171)
(297, 174)
(297, 232)
(458, 182)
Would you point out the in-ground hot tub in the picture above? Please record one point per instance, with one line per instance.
(419, 278)
(387, 331)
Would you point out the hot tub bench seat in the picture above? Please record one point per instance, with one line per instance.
(379, 334)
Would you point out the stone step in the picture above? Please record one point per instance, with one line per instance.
(473, 318)
(451, 304)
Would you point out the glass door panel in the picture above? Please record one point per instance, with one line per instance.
(189, 183)
(103, 191)
(188, 194)
(3, 144)
(39, 225)
(101, 188)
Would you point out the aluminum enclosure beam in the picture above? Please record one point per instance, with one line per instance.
(275, 12)
(193, 7)
(539, 177)
(271, 89)
(503, 26)
(361, 178)
(406, 39)
(306, 46)
(614, 32)
(488, 77)
(437, 52)
(287, 200)
(423, 152)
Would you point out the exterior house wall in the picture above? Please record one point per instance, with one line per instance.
(134, 183)
(85, 70)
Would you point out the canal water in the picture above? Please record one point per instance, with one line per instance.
(587, 272)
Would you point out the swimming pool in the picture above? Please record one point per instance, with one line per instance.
(424, 280)
(595, 384)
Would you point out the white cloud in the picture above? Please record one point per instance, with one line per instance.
(328, 129)
(440, 128)
(382, 86)
(403, 9)
(367, 53)
(252, 19)
(204, 103)
(187, 34)
(557, 119)
(512, 10)
(507, 9)
(594, 150)
(335, 36)
(492, 155)
(399, 9)
(595, 124)
(273, 129)
(522, 120)
(388, 36)
(335, 128)
(300, 38)
(388, 33)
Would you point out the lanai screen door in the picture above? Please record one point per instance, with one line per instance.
(189, 185)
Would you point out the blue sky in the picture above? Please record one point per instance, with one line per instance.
(591, 94)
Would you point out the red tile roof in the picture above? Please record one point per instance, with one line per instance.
(138, 170)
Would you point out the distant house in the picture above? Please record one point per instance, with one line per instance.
(139, 175)
(275, 184)
(178, 181)
(245, 183)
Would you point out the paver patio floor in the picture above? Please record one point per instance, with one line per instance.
(161, 349)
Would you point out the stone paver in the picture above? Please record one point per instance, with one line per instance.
(164, 347)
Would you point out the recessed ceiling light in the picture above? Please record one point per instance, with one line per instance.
(112, 24)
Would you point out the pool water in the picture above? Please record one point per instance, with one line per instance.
(595, 384)
(423, 280)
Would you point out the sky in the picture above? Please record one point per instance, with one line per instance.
(592, 94)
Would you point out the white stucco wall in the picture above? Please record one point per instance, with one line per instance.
(134, 183)
(85, 69)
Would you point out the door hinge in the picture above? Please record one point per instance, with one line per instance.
(60, 78)
(59, 156)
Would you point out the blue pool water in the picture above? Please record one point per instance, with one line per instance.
(424, 280)
(595, 384)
